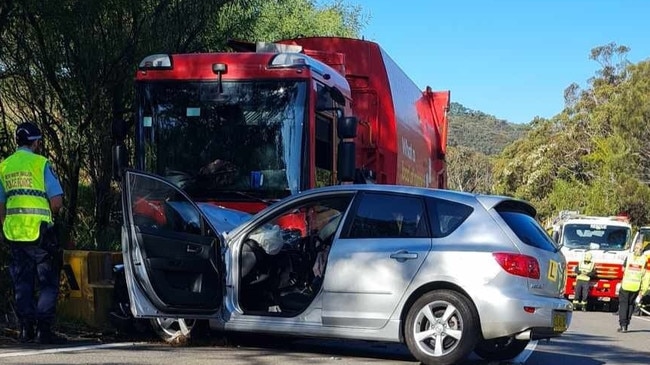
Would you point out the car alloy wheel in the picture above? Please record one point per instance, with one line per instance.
(441, 328)
(173, 330)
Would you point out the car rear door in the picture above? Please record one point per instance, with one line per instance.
(171, 252)
(383, 243)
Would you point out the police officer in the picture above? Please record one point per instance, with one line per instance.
(633, 285)
(586, 270)
(30, 194)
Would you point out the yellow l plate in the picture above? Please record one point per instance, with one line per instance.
(552, 270)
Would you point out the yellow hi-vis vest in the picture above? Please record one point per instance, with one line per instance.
(634, 271)
(584, 266)
(23, 177)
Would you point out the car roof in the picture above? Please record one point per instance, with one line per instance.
(488, 201)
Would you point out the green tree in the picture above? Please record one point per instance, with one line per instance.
(69, 65)
(468, 170)
(592, 156)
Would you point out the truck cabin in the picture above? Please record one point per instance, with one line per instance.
(242, 129)
(595, 236)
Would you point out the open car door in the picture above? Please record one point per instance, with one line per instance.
(171, 252)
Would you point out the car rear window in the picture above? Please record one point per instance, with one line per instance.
(528, 229)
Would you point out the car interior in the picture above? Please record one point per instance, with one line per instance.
(285, 283)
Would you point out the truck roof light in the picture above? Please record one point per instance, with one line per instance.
(156, 62)
(299, 60)
(289, 60)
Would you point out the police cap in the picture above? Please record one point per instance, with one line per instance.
(26, 133)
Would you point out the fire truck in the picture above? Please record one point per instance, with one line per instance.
(245, 128)
(607, 238)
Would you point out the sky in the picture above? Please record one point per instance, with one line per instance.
(509, 58)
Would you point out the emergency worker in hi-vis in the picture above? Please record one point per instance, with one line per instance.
(633, 286)
(30, 194)
(586, 270)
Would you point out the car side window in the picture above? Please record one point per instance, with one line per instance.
(388, 216)
(157, 205)
(313, 223)
(446, 216)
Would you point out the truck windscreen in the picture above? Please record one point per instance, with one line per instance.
(215, 138)
(605, 236)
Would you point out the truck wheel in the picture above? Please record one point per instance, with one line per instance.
(176, 331)
(441, 328)
(503, 348)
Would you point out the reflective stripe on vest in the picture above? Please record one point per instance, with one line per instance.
(634, 271)
(583, 266)
(23, 177)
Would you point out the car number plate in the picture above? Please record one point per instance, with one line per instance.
(559, 321)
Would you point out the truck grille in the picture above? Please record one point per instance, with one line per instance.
(603, 270)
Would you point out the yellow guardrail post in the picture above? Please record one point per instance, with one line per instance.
(87, 289)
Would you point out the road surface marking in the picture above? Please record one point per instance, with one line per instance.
(521, 358)
(69, 349)
(642, 318)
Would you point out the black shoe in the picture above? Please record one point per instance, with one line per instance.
(45, 336)
(26, 333)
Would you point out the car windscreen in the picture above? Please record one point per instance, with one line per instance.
(528, 230)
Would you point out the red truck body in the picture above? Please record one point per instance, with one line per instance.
(403, 136)
(197, 111)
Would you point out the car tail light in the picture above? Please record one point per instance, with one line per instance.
(518, 264)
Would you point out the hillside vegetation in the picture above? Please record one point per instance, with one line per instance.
(480, 131)
(593, 156)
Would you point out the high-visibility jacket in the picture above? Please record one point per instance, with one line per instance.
(584, 270)
(23, 177)
(634, 272)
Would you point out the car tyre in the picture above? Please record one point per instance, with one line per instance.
(502, 348)
(441, 328)
(176, 331)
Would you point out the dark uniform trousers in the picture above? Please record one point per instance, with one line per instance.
(36, 263)
(626, 306)
(582, 290)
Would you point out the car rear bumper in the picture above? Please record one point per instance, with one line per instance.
(505, 316)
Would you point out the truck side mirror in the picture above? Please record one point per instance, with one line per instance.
(119, 152)
(119, 156)
(346, 164)
(347, 127)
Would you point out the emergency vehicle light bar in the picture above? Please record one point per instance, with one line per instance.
(156, 62)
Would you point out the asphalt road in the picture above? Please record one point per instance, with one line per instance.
(591, 340)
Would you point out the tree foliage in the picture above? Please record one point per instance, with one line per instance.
(593, 156)
(469, 170)
(68, 65)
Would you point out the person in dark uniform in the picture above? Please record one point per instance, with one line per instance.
(30, 194)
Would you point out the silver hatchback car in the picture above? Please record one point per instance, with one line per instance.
(446, 273)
